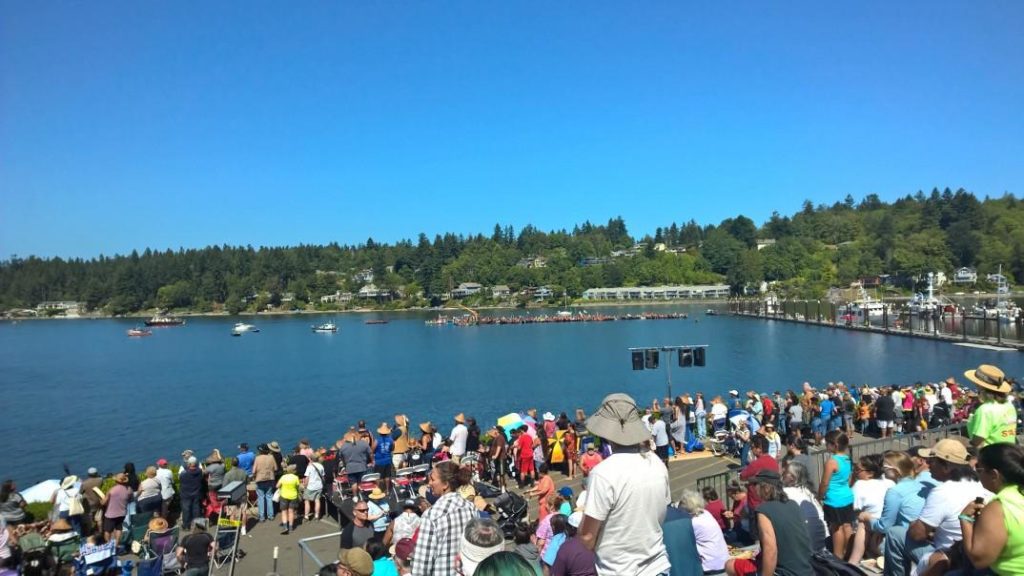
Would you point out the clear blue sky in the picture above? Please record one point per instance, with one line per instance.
(181, 124)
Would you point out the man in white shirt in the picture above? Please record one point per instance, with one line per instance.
(627, 495)
(166, 479)
(458, 437)
(946, 393)
(938, 527)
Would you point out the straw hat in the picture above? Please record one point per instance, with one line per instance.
(157, 525)
(377, 494)
(426, 427)
(618, 420)
(68, 482)
(274, 446)
(61, 525)
(949, 450)
(460, 418)
(990, 378)
(384, 428)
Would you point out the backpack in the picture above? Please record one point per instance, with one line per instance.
(35, 559)
(825, 564)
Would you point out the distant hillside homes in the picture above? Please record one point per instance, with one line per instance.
(658, 292)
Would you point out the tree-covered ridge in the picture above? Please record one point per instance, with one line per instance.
(818, 247)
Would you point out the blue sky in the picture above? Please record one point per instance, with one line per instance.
(182, 124)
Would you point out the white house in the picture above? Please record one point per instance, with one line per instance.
(543, 293)
(965, 275)
(500, 291)
(371, 291)
(466, 289)
(65, 307)
(338, 296)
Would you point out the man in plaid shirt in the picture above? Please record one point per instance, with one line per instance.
(442, 525)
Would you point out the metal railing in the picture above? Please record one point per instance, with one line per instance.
(306, 551)
(926, 438)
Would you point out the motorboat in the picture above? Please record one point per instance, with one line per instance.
(139, 332)
(241, 328)
(866, 307)
(376, 322)
(926, 304)
(1002, 308)
(325, 327)
(439, 321)
(711, 312)
(160, 321)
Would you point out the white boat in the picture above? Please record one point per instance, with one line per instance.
(926, 303)
(866, 307)
(1004, 309)
(325, 327)
(241, 328)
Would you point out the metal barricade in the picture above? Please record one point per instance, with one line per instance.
(306, 551)
(720, 482)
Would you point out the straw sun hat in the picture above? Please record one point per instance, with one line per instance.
(990, 378)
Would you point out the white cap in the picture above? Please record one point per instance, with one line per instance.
(734, 393)
(575, 519)
(93, 471)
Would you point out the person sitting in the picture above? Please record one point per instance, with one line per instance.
(785, 545)
(708, 536)
(196, 549)
(868, 500)
(797, 484)
(993, 533)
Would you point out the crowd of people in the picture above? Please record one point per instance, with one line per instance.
(952, 507)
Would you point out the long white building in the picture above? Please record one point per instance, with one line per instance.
(658, 292)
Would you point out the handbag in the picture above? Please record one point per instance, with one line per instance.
(277, 495)
(75, 507)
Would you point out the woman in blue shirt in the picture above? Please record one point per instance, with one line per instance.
(835, 492)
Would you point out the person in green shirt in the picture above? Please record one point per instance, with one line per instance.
(993, 533)
(995, 420)
(288, 498)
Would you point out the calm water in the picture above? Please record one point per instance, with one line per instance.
(81, 392)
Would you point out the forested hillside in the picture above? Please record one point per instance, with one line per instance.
(818, 247)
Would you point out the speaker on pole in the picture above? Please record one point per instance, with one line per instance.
(685, 358)
(638, 360)
(699, 357)
(651, 358)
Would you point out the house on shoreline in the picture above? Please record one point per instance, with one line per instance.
(658, 292)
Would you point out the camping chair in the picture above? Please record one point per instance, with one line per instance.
(226, 538)
(150, 567)
(65, 552)
(36, 557)
(163, 545)
(134, 530)
(96, 559)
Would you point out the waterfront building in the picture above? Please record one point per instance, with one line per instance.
(658, 292)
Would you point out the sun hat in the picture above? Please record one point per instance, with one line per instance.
(158, 524)
(426, 426)
(618, 420)
(68, 482)
(575, 519)
(549, 416)
(734, 392)
(377, 494)
(61, 525)
(949, 450)
(357, 560)
(274, 446)
(384, 428)
(990, 378)
(460, 418)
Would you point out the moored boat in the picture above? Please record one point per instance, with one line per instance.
(160, 321)
(325, 327)
(241, 328)
(139, 332)
(376, 322)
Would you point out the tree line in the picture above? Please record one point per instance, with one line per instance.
(816, 248)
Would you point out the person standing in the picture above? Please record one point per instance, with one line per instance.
(246, 458)
(627, 495)
(442, 525)
(94, 509)
(358, 458)
(835, 492)
(498, 454)
(885, 413)
(659, 433)
(995, 420)
(116, 502)
(288, 497)
(166, 479)
(195, 551)
(403, 442)
(383, 463)
(313, 487)
(191, 481)
(458, 437)
(215, 471)
(264, 471)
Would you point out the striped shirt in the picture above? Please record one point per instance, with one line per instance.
(441, 529)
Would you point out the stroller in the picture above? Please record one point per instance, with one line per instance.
(512, 510)
(940, 415)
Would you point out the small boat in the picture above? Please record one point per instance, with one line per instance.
(439, 321)
(241, 328)
(325, 327)
(139, 332)
(376, 322)
(711, 312)
(160, 321)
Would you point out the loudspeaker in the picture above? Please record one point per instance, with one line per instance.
(699, 356)
(232, 493)
(685, 358)
(638, 360)
(651, 358)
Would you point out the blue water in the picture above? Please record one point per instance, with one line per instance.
(82, 392)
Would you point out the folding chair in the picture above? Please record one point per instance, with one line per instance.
(226, 538)
(162, 545)
(150, 567)
(66, 551)
(98, 559)
(134, 530)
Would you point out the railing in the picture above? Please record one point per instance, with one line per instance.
(927, 438)
(306, 551)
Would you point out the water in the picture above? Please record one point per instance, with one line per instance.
(82, 392)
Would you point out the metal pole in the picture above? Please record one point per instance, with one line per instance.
(963, 324)
(668, 370)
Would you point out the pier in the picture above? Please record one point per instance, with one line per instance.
(956, 327)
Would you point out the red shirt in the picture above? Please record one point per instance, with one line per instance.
(716, 508)
(768, 406)
(589, 460)
(763, 462)
(525, 444)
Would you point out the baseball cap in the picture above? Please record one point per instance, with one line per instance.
(161, 462)
(949, 450)
(357, 560)
(565, 491)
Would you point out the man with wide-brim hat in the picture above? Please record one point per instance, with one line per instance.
(938, 526)
(995, 420)
(382, 462)
(355, 561)
(459, 435)
(627, 494)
